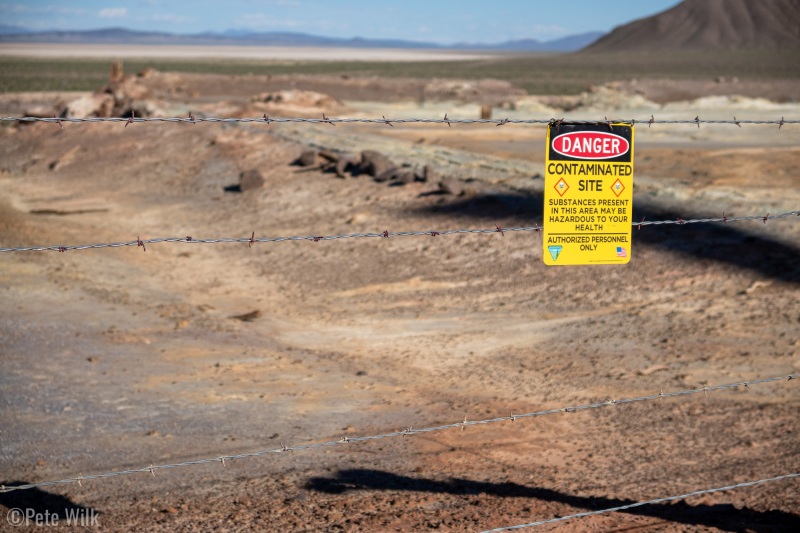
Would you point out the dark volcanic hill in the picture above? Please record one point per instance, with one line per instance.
(710, 25)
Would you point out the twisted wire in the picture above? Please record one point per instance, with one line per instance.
(385, 234)
(408, 431)
(391, 121)
(639, 504)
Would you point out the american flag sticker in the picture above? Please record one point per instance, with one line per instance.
(622, 252)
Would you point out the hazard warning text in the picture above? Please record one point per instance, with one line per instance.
(588, 204)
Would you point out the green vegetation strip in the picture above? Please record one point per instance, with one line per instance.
(538, 74)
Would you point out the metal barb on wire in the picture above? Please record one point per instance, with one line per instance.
(383, 120)
(649, 502)
(384, 234)
(409, 430)
(724, 219)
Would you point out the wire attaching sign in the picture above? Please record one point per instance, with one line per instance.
(588, 194)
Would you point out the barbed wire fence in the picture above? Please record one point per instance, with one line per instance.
(265, 119)
(250, 241)
(410, 431)
(407, 432)
(648, 502)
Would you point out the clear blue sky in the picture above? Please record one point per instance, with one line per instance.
(440, 21)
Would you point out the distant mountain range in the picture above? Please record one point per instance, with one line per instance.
(16, 34)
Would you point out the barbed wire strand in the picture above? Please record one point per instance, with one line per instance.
(639, 504)
(391, 121)
(408, 431)
(385, 234)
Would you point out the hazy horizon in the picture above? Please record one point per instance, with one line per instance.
(445, 22)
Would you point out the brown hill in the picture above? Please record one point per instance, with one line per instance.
(710, 25)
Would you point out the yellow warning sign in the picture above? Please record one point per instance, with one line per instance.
(588, 194)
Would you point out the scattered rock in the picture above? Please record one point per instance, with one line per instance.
(65, 212)
(143, 108)
(756, 285)
(347, 163)
(40, 111)
(453, 186)
(93, 105)
(386, 175)
(65, 159)
(117, 72)
(371, 162)
(533, 105)
(248, 317)
(122, 96)
(339, 163)
(307, 159)
(297, 98)
(251, 180)
(359, 218)
(611, 96)
(404, 175)
(489, 90)
(148, 72)
(732, 102)
(652, 370)
(398, 175)
(126, 90)
(375, 163)
(429, 174)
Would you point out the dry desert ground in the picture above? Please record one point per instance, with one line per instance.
(122, 358)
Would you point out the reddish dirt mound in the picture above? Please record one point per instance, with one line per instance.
(710, 25)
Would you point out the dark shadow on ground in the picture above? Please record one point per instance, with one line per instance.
(38, 502)
(723, 516)
(730, 243)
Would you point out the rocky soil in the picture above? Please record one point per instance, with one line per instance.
(123, 358)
